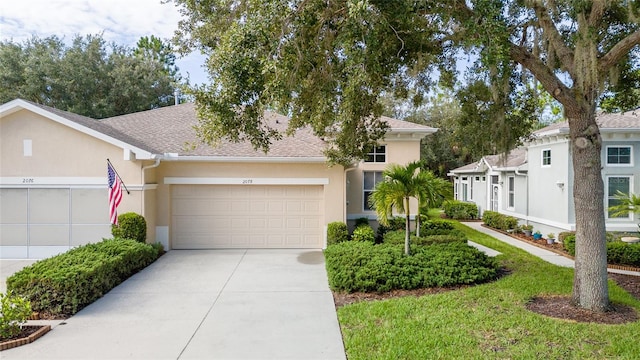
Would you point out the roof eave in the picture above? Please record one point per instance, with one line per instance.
(19, 104)
(245, 159)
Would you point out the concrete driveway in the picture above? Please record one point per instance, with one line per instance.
(206, 304)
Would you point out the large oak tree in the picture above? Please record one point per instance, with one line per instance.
(326, 62)
(89, 77)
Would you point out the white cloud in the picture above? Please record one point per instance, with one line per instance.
(120, 21)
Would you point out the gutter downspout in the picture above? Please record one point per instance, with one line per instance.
(142, 197)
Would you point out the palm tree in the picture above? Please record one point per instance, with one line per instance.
(431, 195)
(626, 203)
(401, 183)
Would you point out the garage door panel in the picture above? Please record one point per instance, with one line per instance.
(89, 206)
(246, 216)
(49, 235)
(13, 206)
(13, 235)
(49, 206)
(84, 234)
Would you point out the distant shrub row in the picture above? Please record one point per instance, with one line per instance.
(618, 252)
(64, 284)
(460, 210)
(499, 221)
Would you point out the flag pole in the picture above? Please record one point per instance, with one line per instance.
(118, 175)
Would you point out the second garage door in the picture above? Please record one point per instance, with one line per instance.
(252, 216)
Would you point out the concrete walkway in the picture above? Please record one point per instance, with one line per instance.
(206, 304)
(545, 255)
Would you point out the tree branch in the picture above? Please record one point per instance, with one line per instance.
(565, 54)
(617, 52)
(543, 73)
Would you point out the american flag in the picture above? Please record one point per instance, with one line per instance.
(115, 194)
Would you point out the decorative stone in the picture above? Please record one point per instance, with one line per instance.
(630, 239)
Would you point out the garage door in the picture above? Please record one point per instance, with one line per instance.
(40, 222)
(252, 216)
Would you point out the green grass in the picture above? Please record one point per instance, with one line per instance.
(486, 321)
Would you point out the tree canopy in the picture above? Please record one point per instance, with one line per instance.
(89, 77)
(326, 63)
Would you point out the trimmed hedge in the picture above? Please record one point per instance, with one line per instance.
(64, 284)
(337, 232)
(130, 226)
(361, 266)
(618, 252)
(364, 233)
(397, 238)
(499, 221)
(460, 210)
(436, 225)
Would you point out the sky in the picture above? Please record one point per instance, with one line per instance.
(119, 21)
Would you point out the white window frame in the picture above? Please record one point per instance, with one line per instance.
(610, 197)
(606, 154)
(455, 188)
(376, 180)
(542, 158)
(511, 192)
(380, 150)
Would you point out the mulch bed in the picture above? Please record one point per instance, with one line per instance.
(554, 306)
(27, 335)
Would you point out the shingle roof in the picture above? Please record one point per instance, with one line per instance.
(171, 130)
(606, 122)
(96, 125)
(515, 158)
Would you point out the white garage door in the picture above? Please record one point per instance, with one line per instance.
(252, 216)
(40, 222)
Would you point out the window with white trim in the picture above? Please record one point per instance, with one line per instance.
(615, 184)
(371, 178)
(619, 155)
(377, 155)
(511, 188)
(546, 157)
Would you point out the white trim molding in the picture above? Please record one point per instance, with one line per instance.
(244, 181)
(40, 182)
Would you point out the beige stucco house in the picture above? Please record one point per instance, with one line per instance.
(53, 181)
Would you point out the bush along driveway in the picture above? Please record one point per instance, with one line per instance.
(490, 320)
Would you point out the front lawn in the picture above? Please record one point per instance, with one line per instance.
(486, 321)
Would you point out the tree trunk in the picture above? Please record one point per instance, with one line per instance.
(590, 289)
(418, 222)
(407, 227)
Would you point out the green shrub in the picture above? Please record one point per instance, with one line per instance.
(337, 232)
(621, 253)
(569, 243)
(397, 223)
(159, 248)
(563, 235)
(361, 221)
(360, 266)
(435, 225)
(460, 210)
(66, 283)
(499, 221)
(130, 226)
(364, 233)
(396, 237)
(15, 312)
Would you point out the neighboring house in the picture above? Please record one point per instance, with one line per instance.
(53, 192)
(535, 182)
